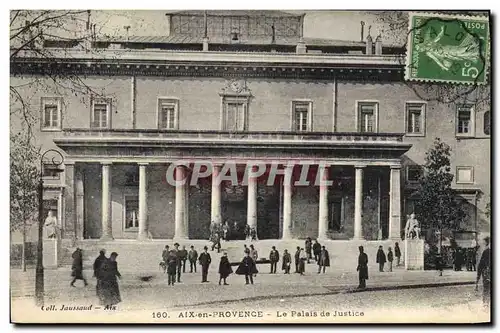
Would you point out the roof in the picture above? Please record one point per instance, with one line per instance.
(186, 39)
(267, 13)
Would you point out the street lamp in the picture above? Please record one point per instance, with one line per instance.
(39, 277)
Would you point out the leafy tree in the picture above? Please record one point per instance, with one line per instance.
(437, 203)
(24, 180)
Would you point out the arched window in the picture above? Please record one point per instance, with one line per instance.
(487, 123)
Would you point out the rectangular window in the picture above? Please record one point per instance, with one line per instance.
(415, 119)
(51, 114)
(465, 175)
(367, 117)
(51, 171)
(302, 116)
(168, 111)
(413, 173)
(465, 120)
(101, 114)
(131, 212)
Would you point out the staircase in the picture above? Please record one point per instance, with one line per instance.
(144, 256)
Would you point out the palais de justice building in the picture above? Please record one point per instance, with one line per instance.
(245, 86)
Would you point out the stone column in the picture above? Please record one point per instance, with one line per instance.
(216, 196)
(180, 203)
(107, 228)
(68, 227)
(143, 203)
(323, 203)
(80, 200)
(252, 201)
(395, 203)
(358, 203)
(287, 203)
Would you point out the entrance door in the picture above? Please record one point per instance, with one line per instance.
(335, 219)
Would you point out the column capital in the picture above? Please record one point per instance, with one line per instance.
(106, 163)
(360, 166)
(69, 163)
(395, 166)
(142, 163)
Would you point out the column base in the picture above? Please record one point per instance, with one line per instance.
(357, 239)
(143, 237)
(180, 238)
(106, 238)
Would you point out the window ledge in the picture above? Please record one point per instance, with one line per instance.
(132, 230)
(51, 129)
(415, 135)
(461, 136)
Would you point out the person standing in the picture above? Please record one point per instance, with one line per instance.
(302, 261)
(247, 232)
(224, 268)
(109, 288)
(247, 267)
(179, 263)
(97, 265)
(164, 257)
(183, 258)
(484, 272)
(362, 268)
(297, 259)
(254, 254)
(323, 260)
(225, 231)
(274, 257)
(390, 258)
(316, 250)
(193, 257)
(205, 261)
(287, 261)
(397, 253)
(381, 259)
(236, 231)
(253, 234)
(77, 267)
(172, 267)
(308, 247)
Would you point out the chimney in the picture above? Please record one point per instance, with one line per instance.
(127, 28)
(378, 45)
(362, 31)
(369, 42)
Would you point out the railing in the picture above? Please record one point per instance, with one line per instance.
(227, 135)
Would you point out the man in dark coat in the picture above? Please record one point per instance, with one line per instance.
(323, 260)
(297, 259)
(224, 268)
(205, 261)
(77, 267)
(97, 265)
(183, 257)
(109, 287)
(172, 267)
(381, 259)
(274, 257)
(308, 247)
(193, 257)
(484, 271)
(390, 258)
(179, 262)
(287, 262)
(247, 267)
(397, 254)
(164, 256)
(316, 250)
(362, 268)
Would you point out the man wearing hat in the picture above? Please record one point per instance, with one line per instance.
(205, 261)
(176, 251)
(484, 272)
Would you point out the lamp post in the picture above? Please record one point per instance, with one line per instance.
(39, 276)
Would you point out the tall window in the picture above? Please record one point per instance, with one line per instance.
(101, 114)
(302, 116)
(487, 123)
(367, 117)
(51, 114)
(465, 120)
(131, 212)
(415, 118)
(168, 111)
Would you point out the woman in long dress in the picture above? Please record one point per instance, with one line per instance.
(302, 261)
(224, 269)
(110, 291)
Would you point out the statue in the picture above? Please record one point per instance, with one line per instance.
(412, 229)
(50, 226)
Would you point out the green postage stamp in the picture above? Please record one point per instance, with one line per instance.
(447, 48)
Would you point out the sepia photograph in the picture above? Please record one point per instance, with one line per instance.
(223, 166)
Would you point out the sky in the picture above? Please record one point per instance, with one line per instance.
(340, 25)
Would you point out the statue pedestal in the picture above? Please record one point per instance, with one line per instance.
(51, 253)
(414, 254)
